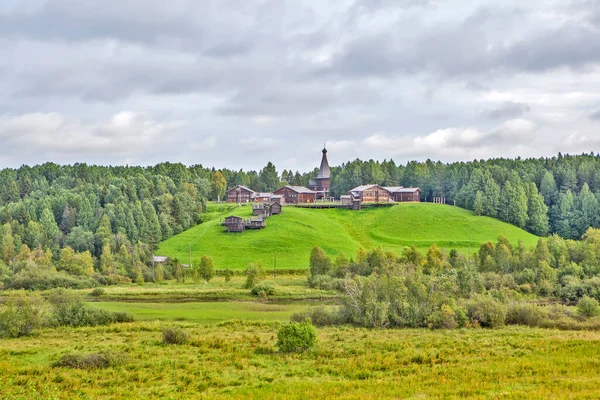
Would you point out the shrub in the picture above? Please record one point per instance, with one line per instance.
(174, 335)
(446, 318)
(45, 279)
(254, 274)
(103, 359)
(524, 314)
(297, 337)
(69, 309)
(588, 307)
(263, 289)
(98, 292)
(487, 312)
(320, 316)
(21, 314)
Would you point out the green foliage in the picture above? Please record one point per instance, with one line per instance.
(174, 335)
(21, 314)
(296, 337)
(98, 292)
(103, 359)
(69, 309)
(206, 269)
(320, 316)
(486, 311)
(525, 314)
(588, 307)
(36, 278)
(254, 274)
(228, 274)
(263, 289)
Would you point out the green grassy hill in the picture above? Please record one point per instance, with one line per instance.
(293, 234)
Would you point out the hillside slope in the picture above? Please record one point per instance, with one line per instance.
(293, 234)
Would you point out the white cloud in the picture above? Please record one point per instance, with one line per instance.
(52, 134)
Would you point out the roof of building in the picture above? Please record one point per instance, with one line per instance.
(264, 194)
(362, 188)
(298, 189)
(393, 189)
(160, 259)
(408, 190)
(324, 170)
(241, 187)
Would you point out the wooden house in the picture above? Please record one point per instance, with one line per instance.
(402, 194)
(296, 194)
(370, 194)
(262, 197)
(240, 194)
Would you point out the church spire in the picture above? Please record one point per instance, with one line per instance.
(324, 171)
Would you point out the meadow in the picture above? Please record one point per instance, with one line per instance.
(239, 359)
(296, 231)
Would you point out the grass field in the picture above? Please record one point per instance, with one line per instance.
(287, 287)
(293, 234)
(240, 360)
(206, 312)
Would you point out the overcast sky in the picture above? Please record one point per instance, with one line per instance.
(238, 83)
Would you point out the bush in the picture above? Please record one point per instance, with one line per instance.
(21, 314)
(297, 337)
(588, 307)
(103, 359)
(320, 316)
(254, 274)
(525, 314)
(263, 289)
(45, 279)
(69, 309)
(447, 317)
(174, 335)
(113, 279)
(487, 312)
(98, 292)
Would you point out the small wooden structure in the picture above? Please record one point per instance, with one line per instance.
(275, 208)
(346, 201)
(233, 223)
(255, 223)
(259, 209)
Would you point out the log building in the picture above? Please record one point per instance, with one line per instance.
(321, 182)
(296, 194)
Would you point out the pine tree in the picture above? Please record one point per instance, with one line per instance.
(7, 250)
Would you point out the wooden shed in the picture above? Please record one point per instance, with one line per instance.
(402, 194)
(275, 208)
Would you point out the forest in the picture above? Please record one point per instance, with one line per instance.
(104, 222)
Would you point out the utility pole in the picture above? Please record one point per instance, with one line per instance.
(153, 272)
(275, 265)
(190, 255)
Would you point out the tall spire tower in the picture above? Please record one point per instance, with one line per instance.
(321, 182)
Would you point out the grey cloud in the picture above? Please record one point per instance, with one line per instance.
(508, 110)
(595, 115)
